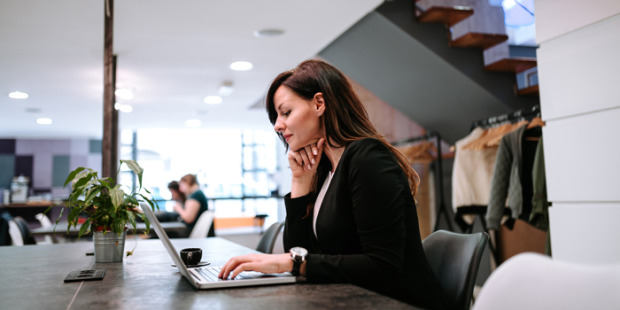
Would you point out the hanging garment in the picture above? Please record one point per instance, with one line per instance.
(540, 206)
(472, 174)
(425, 199)
(508, 178)
(421, 153)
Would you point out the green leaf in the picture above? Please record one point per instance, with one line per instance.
(92, 193)
(50, 208)
(151, 203)
(132, 221)
(73, 217)
(84, 228)
(105, 182)
(58, 220)
(133, 165)
(117, 195)
(82, 181)
(72, 175)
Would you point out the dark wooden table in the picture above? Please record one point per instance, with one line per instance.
(32, 278)
(61, 229)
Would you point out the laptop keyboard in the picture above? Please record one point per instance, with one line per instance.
(211, 272)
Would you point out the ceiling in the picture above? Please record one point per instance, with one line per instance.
(172, 54)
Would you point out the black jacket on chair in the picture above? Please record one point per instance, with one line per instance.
(367, 229)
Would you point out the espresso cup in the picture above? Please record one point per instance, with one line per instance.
(191, 256)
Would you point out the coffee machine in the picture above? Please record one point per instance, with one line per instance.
(19, 189)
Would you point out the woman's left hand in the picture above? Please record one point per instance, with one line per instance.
(265, 263)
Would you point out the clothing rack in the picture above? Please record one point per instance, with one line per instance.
(508, 117)
(441, 205)
(479, 211)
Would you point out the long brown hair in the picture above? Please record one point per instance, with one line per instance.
(345, 120)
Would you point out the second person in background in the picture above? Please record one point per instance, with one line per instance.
(195, 204)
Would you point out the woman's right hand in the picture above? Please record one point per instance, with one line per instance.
(303, 163)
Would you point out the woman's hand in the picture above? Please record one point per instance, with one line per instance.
(303, 163)
(265, 263)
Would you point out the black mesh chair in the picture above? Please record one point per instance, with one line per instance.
(266, 243)
(455, 259)
(25, 230)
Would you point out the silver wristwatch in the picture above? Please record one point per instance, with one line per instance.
(298, 255)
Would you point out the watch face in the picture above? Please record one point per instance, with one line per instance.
(299, 251)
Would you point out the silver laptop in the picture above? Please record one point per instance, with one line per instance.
(206, 277)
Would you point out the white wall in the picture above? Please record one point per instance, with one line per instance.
(555, 18)
(579, 68)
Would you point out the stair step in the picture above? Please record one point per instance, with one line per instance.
(528, 91)
(449, 15)
(515, 65)
(475, 39)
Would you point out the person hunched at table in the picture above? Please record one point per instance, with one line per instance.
(351, 203)
(195, 204)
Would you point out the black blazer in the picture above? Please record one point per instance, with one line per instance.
(367, 229)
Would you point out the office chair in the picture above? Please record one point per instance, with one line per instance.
(45, 222)
(266, 243)
(203, 224)
(535, 281)
(25, 230)
(455, 259)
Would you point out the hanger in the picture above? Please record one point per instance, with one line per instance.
(536, 122)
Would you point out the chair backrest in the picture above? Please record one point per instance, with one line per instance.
(45, 222)
(203, 224)
(535, 281)
(25, 230)
(15, 233)
(278, 246)
(455, 259)
(5, 234)
(268, 240)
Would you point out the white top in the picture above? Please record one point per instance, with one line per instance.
(319, 200)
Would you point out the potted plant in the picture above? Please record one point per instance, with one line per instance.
(109, 209)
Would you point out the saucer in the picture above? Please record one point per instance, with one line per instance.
(194, 266)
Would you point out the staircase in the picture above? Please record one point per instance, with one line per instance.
(498, 60)
(422, 64)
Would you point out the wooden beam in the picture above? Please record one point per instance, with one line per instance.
(109, 156)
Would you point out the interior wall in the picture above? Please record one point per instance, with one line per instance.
(395, 126)
(578, 71)
(46, 162)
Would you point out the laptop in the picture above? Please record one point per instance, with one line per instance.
(205, 278)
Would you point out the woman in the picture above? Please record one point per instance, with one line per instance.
(179, 199)
(195, 204)
(176, 193)
(351, 203)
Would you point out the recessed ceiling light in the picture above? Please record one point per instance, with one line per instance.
(18, 95)
(213, 99)
(241, 65)
(44, 121)
(124, 93)
(123, 107)
(193, 123)
(268, 33)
